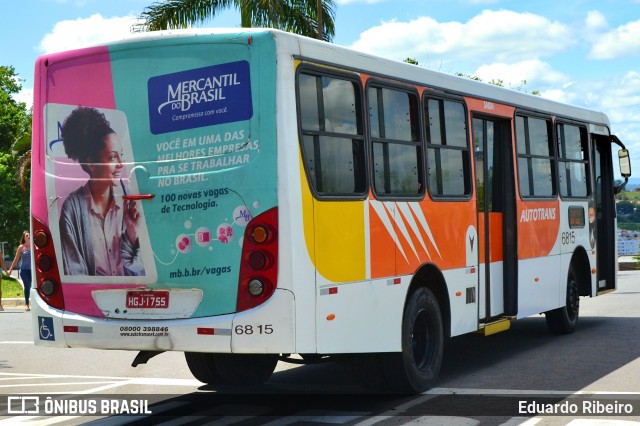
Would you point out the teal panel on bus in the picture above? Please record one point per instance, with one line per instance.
(201, 122)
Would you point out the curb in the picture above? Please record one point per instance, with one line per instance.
(12, 302)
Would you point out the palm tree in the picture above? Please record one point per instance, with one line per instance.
(312, 18)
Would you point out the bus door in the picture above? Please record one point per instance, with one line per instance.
(604, 228)
(496, 216)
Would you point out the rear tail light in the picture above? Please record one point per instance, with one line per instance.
(47, 277)
(44, 262)
(259, 267)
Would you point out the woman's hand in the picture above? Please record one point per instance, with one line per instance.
(131, 220)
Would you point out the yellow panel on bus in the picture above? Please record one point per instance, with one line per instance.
(334, 235)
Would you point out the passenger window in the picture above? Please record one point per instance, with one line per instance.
(573, 161)
(448, 170)
(397, 145)
(332, 137)
(534, 142)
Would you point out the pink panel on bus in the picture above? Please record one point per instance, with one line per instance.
(81, 77)
(83, 80)
(78, 298)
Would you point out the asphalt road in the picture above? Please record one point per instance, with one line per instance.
(482, 378)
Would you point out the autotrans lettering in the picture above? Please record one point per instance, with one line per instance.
(535, 215)
(200, 97)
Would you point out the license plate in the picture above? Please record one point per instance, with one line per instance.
(148, 299)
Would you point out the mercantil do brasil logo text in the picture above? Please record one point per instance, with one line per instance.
(200, 97)
(183, 95)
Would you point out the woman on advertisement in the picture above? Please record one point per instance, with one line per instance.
(98, 228)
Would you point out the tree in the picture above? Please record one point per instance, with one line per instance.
(14, 210)
(297, 16)
(13, 115)
(15, 142)
(500, 83)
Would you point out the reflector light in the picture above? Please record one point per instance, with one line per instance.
(40, 239)
(256, 287)
(333, 290)
(260, 234)
(48, 287)
(44, 262)
(257, 260)
(70, 328)
(258, 276)
(206, 331)
(47, 276)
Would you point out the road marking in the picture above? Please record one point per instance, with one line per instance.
(107, 383)
(54, 376)
(319, 416)
(120, 381)
(504, 392)
(396, 411)
(21, 385)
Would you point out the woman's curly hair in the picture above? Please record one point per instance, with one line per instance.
(83, 134)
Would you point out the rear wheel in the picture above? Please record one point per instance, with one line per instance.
(422, 342)
(231, 369)
(202, 366)
(563, 320)
(416, 368)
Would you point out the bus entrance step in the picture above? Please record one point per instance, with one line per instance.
(494, 327)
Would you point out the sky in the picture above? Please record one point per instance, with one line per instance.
(583, 52)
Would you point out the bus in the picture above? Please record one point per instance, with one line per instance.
(247, 196)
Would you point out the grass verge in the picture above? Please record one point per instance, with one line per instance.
(11, 288)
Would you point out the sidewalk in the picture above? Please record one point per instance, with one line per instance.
(628, 263)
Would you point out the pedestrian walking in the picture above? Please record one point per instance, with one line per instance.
(23, 255)
(6, 272)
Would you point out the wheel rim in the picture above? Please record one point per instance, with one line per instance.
(422, 340)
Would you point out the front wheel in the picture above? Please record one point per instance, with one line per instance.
(563, 320)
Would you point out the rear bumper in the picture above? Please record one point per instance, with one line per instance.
(268, 328)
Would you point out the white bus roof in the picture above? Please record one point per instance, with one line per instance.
(323, 52)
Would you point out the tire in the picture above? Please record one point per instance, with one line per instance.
(416, 368)
(564, 320)
(422, 343)
(202, 367)
(231, 369)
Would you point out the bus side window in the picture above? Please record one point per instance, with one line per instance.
(534, 140)
(397, 145)
(448, 168)
(332, 134)
(573, 161)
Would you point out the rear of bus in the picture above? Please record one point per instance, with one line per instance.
(181, 244)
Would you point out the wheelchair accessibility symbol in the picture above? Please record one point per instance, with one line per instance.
(46, 328)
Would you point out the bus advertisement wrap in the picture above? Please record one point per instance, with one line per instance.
(180, 140)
